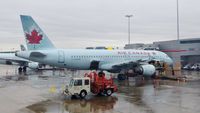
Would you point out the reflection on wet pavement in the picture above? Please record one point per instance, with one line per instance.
(93, 105)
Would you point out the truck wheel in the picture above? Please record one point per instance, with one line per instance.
(109, 92)
(83, 94)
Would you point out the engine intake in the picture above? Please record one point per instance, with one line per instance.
(146, 70)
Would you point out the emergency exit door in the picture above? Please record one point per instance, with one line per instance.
(61, 57)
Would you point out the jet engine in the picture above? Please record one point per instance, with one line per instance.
(146, 70)
(33, 65)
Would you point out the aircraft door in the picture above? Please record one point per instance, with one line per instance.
(61, 57)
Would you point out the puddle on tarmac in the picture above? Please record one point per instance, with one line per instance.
(92, 105)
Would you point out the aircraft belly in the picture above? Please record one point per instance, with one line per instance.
(2, 62)
(79, 64)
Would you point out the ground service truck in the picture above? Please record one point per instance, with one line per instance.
(92, 82)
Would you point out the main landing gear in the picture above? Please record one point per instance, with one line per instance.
(22, 69)
(126, 74)
(121, 76)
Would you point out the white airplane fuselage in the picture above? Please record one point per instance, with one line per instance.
(81, 58)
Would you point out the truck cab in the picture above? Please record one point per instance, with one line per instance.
(78, 86)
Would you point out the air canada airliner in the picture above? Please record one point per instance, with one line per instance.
(42, 50)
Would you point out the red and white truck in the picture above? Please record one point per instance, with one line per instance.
(92, 82)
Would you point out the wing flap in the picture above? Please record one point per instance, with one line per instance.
(118, 65)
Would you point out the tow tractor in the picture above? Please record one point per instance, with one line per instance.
(92, 82)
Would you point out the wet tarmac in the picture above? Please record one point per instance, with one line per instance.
(41, 92)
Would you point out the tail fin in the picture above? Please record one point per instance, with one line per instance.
(22, 47)
(36, 39)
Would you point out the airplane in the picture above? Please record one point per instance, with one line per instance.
(41, 49)
(9, 58)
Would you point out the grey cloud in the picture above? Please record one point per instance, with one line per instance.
(81, 23)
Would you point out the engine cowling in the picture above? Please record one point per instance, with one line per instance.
(146, 70)
(33, 65)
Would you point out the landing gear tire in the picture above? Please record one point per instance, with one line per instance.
(24, 69)
(83, 94)
(20, 69)
(121, 77)
(109, 92)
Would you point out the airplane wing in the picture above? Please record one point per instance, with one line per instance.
(128, 64)
(7, 52)
(16, 60)
(124, 64)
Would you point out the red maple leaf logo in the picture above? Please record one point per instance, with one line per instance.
(34, 37)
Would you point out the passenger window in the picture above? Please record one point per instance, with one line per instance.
(86, 82)
(78, 83)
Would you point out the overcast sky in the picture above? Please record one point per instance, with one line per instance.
(82, 23)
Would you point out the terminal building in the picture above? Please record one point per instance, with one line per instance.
(184, 51)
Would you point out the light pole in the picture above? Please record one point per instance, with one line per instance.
(128, 16)
(178, 35)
